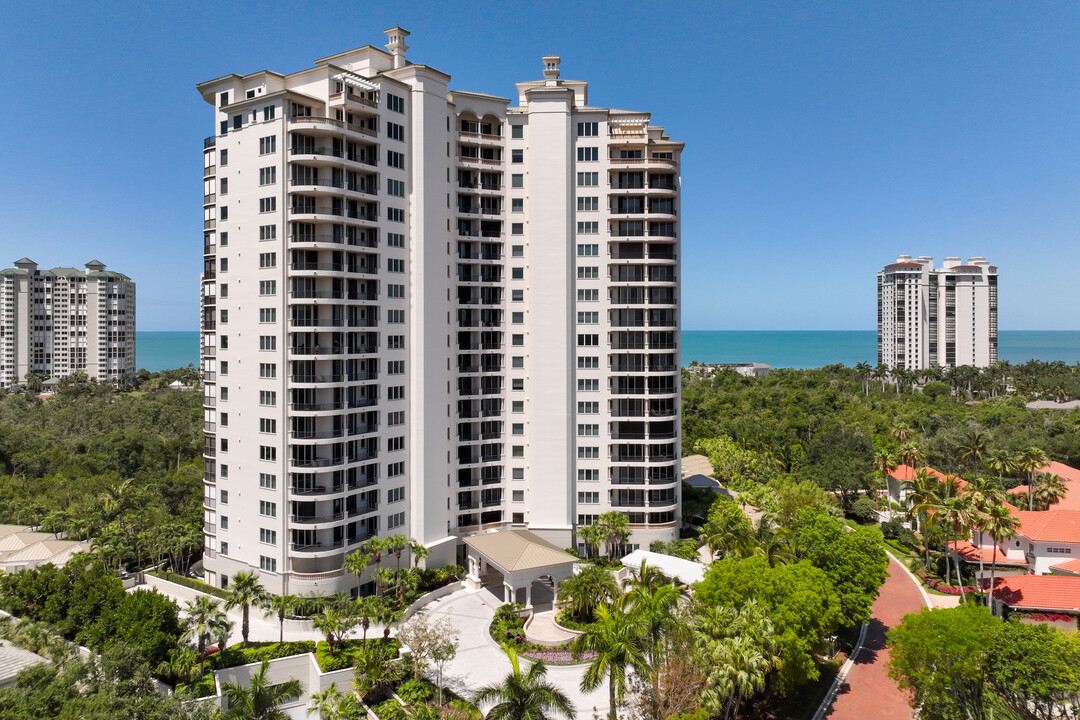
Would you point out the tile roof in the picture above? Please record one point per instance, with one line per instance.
(906, 473)
(971, 553)
(1069, 566)
(1071, 476)
(1039, 592)
(513, 550)
(1050, 525)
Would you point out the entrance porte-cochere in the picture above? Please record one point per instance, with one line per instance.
(520, 557)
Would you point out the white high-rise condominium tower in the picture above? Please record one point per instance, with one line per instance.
(943, 316)
(60, 321)
(432, 313)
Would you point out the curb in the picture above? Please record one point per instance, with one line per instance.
(841, 676)
(911, 576)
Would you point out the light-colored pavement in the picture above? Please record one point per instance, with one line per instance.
(544, 631)
(481, 662)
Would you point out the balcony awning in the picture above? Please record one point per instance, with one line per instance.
(354, 80)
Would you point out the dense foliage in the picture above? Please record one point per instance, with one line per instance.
(124, 468)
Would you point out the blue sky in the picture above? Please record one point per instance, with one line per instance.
(823, 139)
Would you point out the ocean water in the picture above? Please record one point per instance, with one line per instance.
(795, 348)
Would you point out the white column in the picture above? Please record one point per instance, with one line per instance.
(528, 596)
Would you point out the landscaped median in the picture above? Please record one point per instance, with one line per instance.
(508, 627)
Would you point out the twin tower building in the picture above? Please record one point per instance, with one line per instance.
(431, 312)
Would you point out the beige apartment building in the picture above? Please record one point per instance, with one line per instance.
(431, 312)
(943, 316)
(60, 321)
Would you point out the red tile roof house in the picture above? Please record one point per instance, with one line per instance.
(1052, 599)
(905, 473)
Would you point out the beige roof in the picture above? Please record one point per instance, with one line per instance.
(53, 551)
(18, 540)
(6, 530)
(696, 465)
(514, 550)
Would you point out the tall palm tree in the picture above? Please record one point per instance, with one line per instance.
(1000, 524)
(1051, 489)
(258, 699)
(911, 453)
(245, 591)
(398, 544)
(923, 499)
(902, 432)
(646, 577)
(282, 606)
(885, 461)
(654, 608)
(376, 547)
(958, 515)
(973, 447)
(524, 696)
(333, 704)
(588, 589)
(738, 672)
(617, 639)
(594, 536)
(419, 552)
(617, 526)
(184, 664)
(374, 674)
(366, 609)
(1002, 462)
(864, 370)
(333, 624)
(204, 616)
(356, 563)
(1028, 462)
(984, 495)
(881, 372)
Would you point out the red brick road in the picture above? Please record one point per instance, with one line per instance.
(868, 691)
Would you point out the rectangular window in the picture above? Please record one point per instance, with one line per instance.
(395, 103)
(588, 475)
(588, 228)
(224, 212)
(588, 295)
(395, 265)
(395, 240)
(223, 315)
(395, 159)
(518, 496)
(395, 187)
(395, 443)
(395, 131)
(517, 295)
(395, 418)
(223, 158)
(268, 564)
(588, 204)
(268, 145)
(267, 342)
(395, 521)
(588, 385)
(395, 367)
(517, 340)
(267, 175)
(517, 180)
(269, 425)
(395, 214)
(588, 453)
(517, 361)
(267, 481)
(268, 398)
(588, 179)
(517, 273)
(517, 205)
(267, 537)
(268, 232)
(518, 473)
(267, 260)
(267, 288)
(588, 154)
(267, 371)
(588, 430)
(588, 340)
(395, 469)
(394, 495)
(395, 342)
(517, 156)
(588, 318)
(517, 384)
(588, 363)
(588, 498)
(267, 508)
(517, 451)
(223, 187)
(267, 204)
(517, 131)
(517, 428)
(517, 318)
(395, 392)
(267, 452)
(269, 112)
(588, 273)
(588, 129)
(223, 521)
(517, 406)
(395, 316)
(517, 251)
(588, 408)
(267, 315)
(587, 250)
(395, 291)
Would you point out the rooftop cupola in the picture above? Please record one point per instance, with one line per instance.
(396, 45)
(551, 69)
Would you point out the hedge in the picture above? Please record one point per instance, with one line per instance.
(190, 583)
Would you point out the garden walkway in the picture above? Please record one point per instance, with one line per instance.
(868, 691)
(544, 631)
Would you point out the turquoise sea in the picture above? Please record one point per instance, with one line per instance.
(796, 348)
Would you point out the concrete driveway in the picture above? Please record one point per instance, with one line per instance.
(481, 662)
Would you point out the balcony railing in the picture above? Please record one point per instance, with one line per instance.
(335, 239)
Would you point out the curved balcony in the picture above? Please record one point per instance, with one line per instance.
(328, 156)
(315, 352)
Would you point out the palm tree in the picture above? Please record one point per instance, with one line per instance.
(334, 624)
(902, 432)
(972, 447)
(649, 578)
(524, 696)
(384, 578)
(282, 606)
(419, 552)
(1028, 462)
(1000, 524)
(654, 609)
(864, 370)
(375, 546)
(407, 581)
(204, 618)
(1051, 489)
(740, 649)
(258, 699)
(593, 536)
(984, 495)
(245, 591)
(911, 453)
(587, 590)
(617, 639)
(881, 372)
(367, 608)
(356, 563)
(739, 672)
(923, 499)
(184, 664)
(332, 704)
(397, 544)
(617, 526)
(885, 463)
(773, 542)
(375, 674)
(1002, 462)
(958, 515)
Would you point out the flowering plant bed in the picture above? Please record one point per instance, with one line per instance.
(560, 657)
(1048, 617)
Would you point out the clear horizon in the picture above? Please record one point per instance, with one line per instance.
(822, 139)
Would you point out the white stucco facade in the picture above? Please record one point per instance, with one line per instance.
(431, 312)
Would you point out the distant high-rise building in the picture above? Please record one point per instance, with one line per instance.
(943, 316)
(63, 320)
(432, 313)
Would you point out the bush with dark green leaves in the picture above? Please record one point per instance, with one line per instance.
(864, 510)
